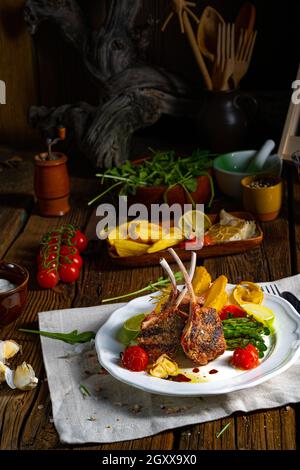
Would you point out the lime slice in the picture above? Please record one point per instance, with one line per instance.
(130, 330)
(194, 223)
(260, 313)
(133, 324)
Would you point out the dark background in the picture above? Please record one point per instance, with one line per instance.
(44, 70)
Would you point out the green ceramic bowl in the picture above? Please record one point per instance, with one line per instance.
(230, 169)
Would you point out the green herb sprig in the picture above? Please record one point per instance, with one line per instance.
(71, 338)
(164, 169)
(152, 287)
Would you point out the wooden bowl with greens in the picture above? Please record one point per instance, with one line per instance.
(165, 177)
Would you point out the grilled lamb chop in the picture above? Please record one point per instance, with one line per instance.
(202, 338)
(161, 332)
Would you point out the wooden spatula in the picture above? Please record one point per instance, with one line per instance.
(207, 34)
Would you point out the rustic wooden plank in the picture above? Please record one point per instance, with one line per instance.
(16, 430)
(17, 65)
(203, 437)
(11, 222)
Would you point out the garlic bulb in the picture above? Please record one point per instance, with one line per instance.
(24, 377)
(8, 349)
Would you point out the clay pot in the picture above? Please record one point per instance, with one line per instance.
(224, 119)
(176, 195)
(52, 185)
(13, 302)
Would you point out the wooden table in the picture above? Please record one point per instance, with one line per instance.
(26, 418)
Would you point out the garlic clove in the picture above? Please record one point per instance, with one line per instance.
(8, 349)
(7, 375)
(2, 372)
(24, 377)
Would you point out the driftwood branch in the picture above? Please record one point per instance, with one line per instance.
(134, 95)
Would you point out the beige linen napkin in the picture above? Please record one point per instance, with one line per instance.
(116, 412)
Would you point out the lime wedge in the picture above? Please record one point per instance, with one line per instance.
(260, 313)
(130, 330)
(194, 223)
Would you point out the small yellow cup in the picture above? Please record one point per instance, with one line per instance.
(264, 203)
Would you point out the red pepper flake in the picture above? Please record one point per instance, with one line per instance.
(196, 370)
(213, 371)
(180, 378)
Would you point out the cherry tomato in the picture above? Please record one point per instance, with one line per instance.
(77, 260)
(187, 242)
(79, 240)
(53, 241)
(208, 240)
(232, 311)
(135, 359)
(47, 278)
(68, 272)
(67, 250)
(246, 358)
(53, 248)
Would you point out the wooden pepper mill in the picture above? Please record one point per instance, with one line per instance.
(51, 180)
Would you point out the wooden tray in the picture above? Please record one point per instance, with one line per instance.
(229, 248)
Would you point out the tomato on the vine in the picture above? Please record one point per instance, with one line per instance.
(66, 250)
(135, 359)
(77, 260)
(68, 272)
(79, 240)
(53, 248)
(47, 278)
(53, 241)
(58, 258)
(246, 358)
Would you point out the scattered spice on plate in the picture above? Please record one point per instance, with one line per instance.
(196, 370)
(213, 371)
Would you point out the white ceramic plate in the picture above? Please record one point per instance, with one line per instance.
(283, 351)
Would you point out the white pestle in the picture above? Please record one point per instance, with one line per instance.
(257, 162)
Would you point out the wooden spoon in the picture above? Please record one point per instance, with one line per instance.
(245, 18)
(207, 35)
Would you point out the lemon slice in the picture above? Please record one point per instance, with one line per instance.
(131, 328)
(194, 223)
(260, 313)
(118, 233)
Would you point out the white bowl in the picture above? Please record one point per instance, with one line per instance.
(230, 169)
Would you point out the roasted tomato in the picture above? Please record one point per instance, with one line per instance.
(246, 358)
(232, 311)
(135, 359)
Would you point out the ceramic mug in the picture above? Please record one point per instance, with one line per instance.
(264, 202)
